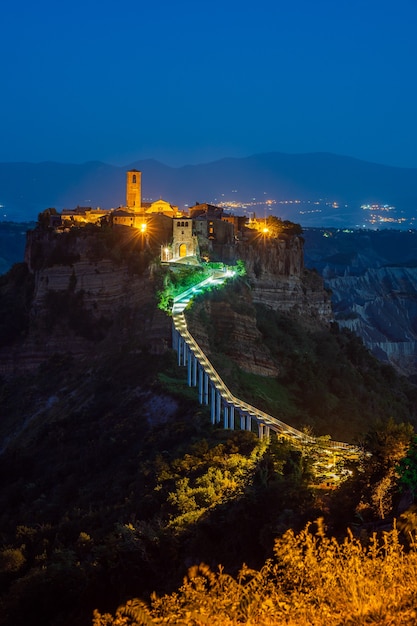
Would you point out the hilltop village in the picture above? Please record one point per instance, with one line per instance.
(86, 268)
(187, 235)
(205, 232)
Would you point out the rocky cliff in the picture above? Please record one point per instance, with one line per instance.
(381, 307)
(373, 280)
(83, 303)
(277, 279)
(229, 327)
(95, 289)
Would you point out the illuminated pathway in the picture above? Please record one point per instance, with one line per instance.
(224, 406)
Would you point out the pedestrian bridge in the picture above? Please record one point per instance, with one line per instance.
(224, 406)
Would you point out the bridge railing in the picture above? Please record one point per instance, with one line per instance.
(180, 325)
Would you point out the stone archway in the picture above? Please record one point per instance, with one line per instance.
(183, 250)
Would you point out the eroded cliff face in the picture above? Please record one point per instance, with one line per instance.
(381, 307)
(280, 281)
(96, 290)
(85, 306)
(230, 329)
(275, 278)
(373, 279)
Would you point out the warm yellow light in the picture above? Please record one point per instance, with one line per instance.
(143, 227)
(265, 230)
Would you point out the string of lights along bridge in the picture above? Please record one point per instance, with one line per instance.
(212, 391)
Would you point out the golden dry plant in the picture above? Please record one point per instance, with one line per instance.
(311, 580)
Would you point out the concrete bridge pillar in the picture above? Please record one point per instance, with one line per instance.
(200, 381)
(231, 417)
(225, 415)
(218, 406)
(195, 365)
(180, 349)
(185, 350)
(261, 430)
(245, 420)
(213, 404)
(206, 388)
(189, 371)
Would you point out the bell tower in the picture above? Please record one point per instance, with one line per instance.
(133, 190)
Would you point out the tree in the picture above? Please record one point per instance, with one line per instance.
(407, 469)
(388, 446)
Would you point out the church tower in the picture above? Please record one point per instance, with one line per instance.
(133, 190)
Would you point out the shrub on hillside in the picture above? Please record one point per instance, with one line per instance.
(312, 580)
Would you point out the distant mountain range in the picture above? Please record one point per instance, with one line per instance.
(317, 189)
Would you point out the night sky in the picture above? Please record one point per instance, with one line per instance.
(189, 82)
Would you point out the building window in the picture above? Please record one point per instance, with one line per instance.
(178, 224)
(186, 224)
(134, 178)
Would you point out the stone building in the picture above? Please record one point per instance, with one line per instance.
(161, 207)
(82, 215)
(184, 241)
(206, 227)
(134, 190)
(208, 210)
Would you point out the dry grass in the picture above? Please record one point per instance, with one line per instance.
(312, 580)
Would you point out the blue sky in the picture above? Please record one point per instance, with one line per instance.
(188, 82)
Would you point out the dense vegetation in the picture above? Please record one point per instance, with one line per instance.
(312, 580)
(175, 281)
(328, 381)
(114, 488)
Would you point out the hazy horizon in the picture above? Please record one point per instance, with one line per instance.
(196, 162)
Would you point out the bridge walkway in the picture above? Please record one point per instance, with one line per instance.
(212, 391)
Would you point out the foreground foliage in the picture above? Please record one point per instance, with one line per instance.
(312, 579)
(175, 282)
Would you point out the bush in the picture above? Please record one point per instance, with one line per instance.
(312, 579)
